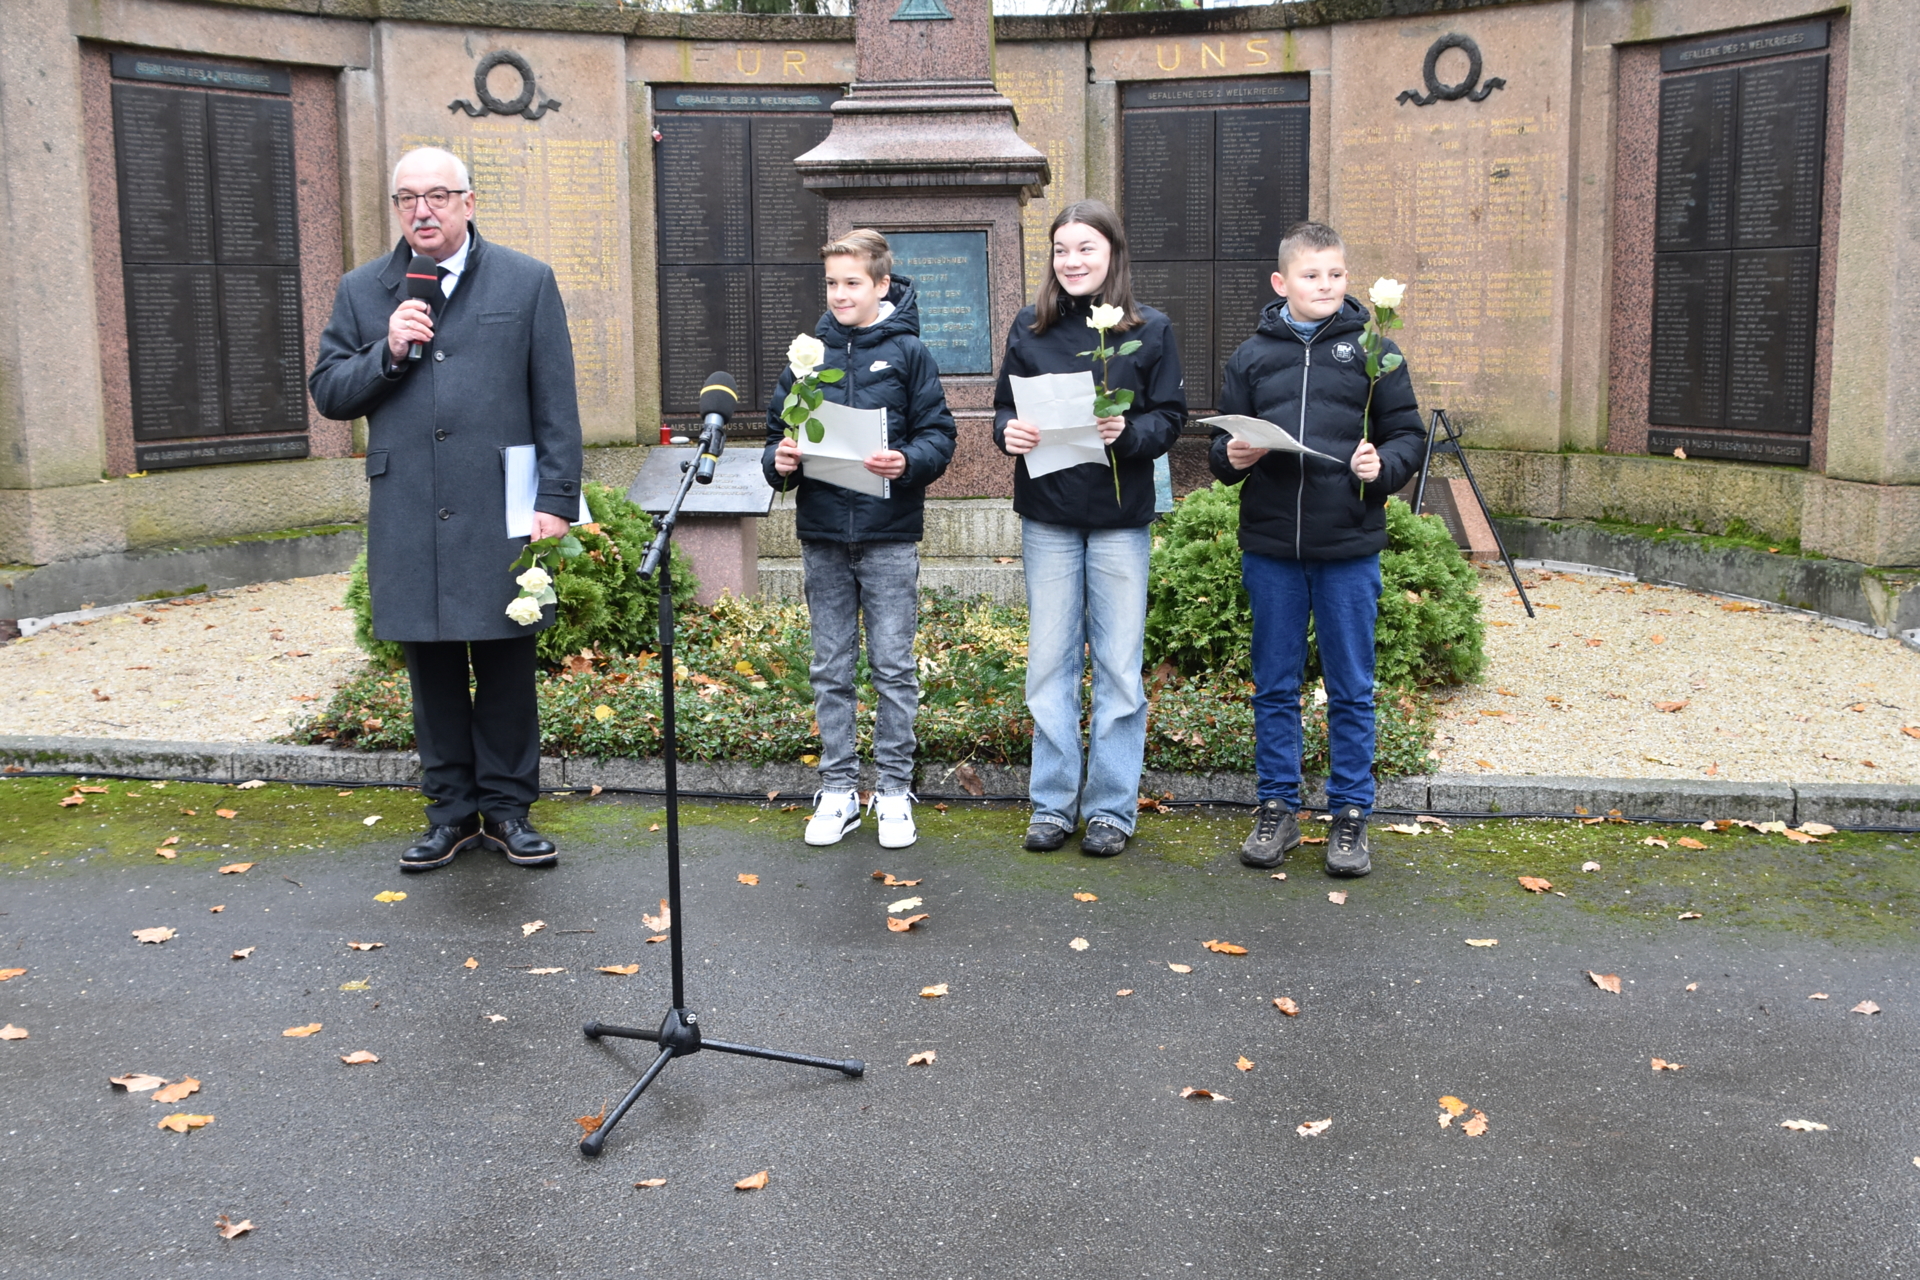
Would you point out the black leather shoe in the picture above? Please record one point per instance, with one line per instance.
(523, 846)
(1103, 840)
(437, 845)
(1045, 837)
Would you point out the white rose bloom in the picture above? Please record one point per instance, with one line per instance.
(1387, 293)
(524, 611)
(534, 580)
(1105, 316)
(805, 354)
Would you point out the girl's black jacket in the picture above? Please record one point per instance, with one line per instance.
(1317, 391)
(1082, 496)
(887, 368)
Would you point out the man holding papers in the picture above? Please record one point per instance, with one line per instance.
(859, 494)
(448, 384)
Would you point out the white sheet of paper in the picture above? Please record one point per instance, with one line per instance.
(852, 436)
(1262, 434)
(523, 486)
(1061, 405)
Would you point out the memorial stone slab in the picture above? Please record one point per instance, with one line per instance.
(739, 487)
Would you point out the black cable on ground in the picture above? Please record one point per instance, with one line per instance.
(760, 797)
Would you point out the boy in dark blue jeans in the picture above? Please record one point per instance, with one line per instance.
(1311, 533)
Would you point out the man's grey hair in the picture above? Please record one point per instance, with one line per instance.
(439, 153)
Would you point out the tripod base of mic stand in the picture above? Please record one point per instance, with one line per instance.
(678, 1036)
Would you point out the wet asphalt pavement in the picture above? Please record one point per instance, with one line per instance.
(1047, 1139)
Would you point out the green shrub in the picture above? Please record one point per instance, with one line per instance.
(603, 604)
(1198, 618)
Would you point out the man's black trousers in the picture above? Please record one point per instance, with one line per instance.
(479, 750)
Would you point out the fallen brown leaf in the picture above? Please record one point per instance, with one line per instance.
(67, 802)
(1286, 1005)
(754, 1183)
(7, 974)
(180, 1122)
(888, 879)
(1204, 1095)
(229, 1229)
(1079, 944)
(1818, 995)
(1453, 1107)
(1816, 828)
(169, 841)
(1086, 897)
(300, 1033)
(1474, 1125)
(624, 970)
(969, 780)
(1243, 1063)
(1866, 1007)
(471, 963)
(92, 791)
(227, 813)
(1693, 986)
(1688, 842)
(180, 1089)
(1605, 981)
(905, 904)
(1690, 915)
(1338, 897)
(659, 937)
(1314, 1128)
(1804, 1126)
(11, 1032)
(590, 1123)
(936, 990)
(747, 877)
(924, 1058)
(650, 1182)
(359, 1057)
(1483, 942)
(1661, 1064)
(1224, 948)
(135, 1082)
(1534, 884)
(236, 868)
(1124, 991)
(366, 946)
(1180, 968)
(532, 927)
(1670, 707)
(217, 909)
(244, 952)
(660, 923)
(155, 935)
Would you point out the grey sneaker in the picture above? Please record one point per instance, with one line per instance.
(1275, 831)
(1102, 840)
(1347, 844)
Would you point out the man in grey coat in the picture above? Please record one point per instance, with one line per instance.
(495, 370)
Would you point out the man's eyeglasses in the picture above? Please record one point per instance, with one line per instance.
(436, 199)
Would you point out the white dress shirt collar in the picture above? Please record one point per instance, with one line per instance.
(455, 265)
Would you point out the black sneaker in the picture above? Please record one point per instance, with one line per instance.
(1275, 831)
(1102, 840)
(1045, 837)
(1347, 844)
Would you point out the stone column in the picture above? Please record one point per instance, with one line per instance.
(50, 403)
(1868, 507)
(923, 141)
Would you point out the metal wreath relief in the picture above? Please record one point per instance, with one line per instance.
(522, 104)
(1438, 92)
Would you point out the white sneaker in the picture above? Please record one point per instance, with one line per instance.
(894, 817)
(835, 813)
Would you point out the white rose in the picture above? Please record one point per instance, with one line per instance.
(1105, 316)
(534, 580)
(1387, 293)
(524, 611)
(805, 354)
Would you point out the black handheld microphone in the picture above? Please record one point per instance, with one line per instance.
(423, 282)
(717, 402)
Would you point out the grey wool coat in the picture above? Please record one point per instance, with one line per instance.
(499, 372)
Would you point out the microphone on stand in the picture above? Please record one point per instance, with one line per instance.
(717, 402)
(423, 282)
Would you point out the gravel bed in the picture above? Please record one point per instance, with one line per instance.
(1756, 695)
(1626, 680)
(241, 665)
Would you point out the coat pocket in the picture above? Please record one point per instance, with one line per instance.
(500, 317)
(376, 464)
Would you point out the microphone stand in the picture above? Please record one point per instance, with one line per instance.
(678, 1034)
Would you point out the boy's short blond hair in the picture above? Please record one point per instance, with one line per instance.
(866, 244)
(1308, 237)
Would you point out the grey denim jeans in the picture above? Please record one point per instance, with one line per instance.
(880, 583)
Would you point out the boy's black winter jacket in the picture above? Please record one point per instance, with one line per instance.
(1317, 390)
(887, 368)
(1082, 496)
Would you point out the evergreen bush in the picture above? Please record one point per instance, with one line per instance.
(603, 603)
(1199, 620)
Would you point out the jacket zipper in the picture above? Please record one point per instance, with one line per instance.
(849, 499)
(1300, 484)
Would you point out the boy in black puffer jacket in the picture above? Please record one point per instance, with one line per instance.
(860, 552)
(1311, 533)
